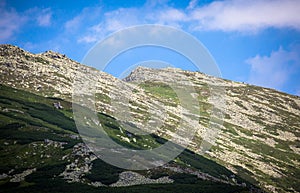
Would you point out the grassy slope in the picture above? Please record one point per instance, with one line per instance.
(26, 120)
(281, 155)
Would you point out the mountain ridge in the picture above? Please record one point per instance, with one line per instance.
(257, 121)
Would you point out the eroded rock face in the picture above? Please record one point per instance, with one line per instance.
(259, 132)
(132, 178)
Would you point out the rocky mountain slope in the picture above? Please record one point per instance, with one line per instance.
(256, 136)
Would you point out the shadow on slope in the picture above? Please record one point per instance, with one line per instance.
(35, 134)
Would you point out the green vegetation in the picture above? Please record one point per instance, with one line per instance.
(102, 97)
(58, 185)
(182, 178)
(280, 158)
(203, 164)
(35, 134)
(27, 120)
(103, 172)
(162, 91)
(117, 133)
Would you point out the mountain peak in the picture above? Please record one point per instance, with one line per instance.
(8, 49)
(142, 72)
(53, 54)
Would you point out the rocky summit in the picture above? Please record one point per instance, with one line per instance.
(238, 137)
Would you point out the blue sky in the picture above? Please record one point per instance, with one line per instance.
(257, 41)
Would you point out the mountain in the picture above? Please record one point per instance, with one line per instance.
(248, 142)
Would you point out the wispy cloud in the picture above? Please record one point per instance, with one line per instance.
(192, 4)
(249, 16)
(275, 70)
(74, 23)
(228, 16)
(107, 23)
(44, 17)
(10, 22)
(88, 16)
(171, 16)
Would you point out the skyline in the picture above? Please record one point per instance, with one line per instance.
(256, 42)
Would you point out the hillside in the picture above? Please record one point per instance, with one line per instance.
(257, 136)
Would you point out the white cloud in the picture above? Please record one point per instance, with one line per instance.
(171, 16)
(85, 27)
(275, 70)
(44, 17)
(230, 15)
(88, 15)
(192, 4)
(155, 3)
(73, 23)
(125, 17)
(88, 39)
(240, 15)
(10, 22)
(109, 22)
